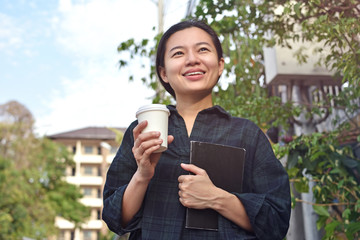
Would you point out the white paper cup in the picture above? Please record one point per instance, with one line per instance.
(157, 116)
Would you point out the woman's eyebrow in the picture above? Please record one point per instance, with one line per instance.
(202, 43)
(175, 48)
(197, 44)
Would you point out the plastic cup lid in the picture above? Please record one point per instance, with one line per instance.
(152, 107)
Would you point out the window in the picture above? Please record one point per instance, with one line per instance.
(99, 171)
(72, 235)
(87, 191)
(99, 214)
(74, 149)
(88, 170)
(61, 235)
(99, 193)
(99, 150)
(87, 235)
(88, 149)
(73, 171)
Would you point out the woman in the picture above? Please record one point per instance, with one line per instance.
(147, 193)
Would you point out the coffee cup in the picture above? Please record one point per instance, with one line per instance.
(157, 116)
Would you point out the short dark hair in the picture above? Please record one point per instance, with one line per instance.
(160, 55)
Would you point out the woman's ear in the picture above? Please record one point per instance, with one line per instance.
(221, 66)
(163, 74)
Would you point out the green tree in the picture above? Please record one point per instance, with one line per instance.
(245, 28)
(33, 191)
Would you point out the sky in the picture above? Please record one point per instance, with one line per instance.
(59, 59)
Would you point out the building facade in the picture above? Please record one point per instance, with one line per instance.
(310, 85)
(93, 150)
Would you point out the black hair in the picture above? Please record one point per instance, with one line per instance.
(160, 55)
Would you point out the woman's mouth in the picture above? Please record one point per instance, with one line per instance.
(194, 73)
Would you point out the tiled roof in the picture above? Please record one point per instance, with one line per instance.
(102, 133)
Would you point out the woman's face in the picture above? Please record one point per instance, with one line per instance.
(191, 63)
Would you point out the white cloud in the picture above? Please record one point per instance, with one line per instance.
(95, 28)
(105, 102)
(100, 95)
(89, 32)
(10, 34)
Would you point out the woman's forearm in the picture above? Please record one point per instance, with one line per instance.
(230, 206)
(133, 198)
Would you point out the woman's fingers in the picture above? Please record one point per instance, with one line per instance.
(170, 139)
(146, 144)
(194, 169)
(139, 128)
(144, 137)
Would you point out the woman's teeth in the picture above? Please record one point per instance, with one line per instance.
(193, 73)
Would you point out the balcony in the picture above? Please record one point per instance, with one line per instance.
(88, 158)
(85, 180)
(62, 223)
(283, 68)
(92, 202)
(92, 224)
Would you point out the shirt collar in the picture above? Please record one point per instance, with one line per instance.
(214, 109)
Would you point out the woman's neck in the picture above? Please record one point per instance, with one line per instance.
(189, 109)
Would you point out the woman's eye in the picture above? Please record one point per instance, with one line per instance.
(203, 49)
(177, 54)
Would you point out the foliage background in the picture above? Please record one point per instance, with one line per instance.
(33, 191)
(245, 27)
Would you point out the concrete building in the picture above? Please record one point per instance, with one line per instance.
(94, 149)
(306, 84)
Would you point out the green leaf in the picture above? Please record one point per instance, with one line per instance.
(321, 210)
(293, 172)
(330, 228)
(352, 229)
(292, 159)
(346, 213)
(321, 222)
(297, 9)
(301, 187)
(349, 162)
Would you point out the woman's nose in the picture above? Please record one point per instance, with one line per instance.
(192, 58)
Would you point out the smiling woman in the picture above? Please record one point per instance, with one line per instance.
(191, 65)
(160, 57)
(147, 193)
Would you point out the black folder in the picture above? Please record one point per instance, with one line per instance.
(225, 167)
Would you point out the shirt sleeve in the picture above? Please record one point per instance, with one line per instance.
(267, 200)
(119, 175)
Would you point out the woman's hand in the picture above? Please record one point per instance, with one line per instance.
(196, 191)
(144, 146)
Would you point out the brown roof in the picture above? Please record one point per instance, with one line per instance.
(102, 133)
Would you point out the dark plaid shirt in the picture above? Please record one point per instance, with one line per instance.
(266, 193)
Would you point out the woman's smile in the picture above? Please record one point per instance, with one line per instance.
(194, 74)
(192, 66)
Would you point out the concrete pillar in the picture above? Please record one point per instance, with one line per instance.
(296, 229)
(309, 216)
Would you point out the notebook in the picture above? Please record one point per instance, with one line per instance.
(225, 167)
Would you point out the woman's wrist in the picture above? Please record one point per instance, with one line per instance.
(140, 179)
(220, 200)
